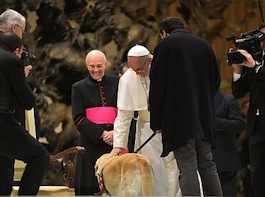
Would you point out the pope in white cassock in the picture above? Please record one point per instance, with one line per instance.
(133, 96)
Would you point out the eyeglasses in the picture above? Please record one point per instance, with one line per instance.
(23, 30)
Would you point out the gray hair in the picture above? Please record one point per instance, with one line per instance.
(9, 17)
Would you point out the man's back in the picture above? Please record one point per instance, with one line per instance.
(184, 79)
(188, 68)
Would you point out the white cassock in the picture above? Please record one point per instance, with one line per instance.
(132, 96)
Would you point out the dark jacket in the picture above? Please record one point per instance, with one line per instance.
(255, 84)
(229, 123)
(184, 79)
(13, 85)
(14, 94)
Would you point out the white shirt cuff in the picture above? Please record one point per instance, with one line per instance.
(236, 76)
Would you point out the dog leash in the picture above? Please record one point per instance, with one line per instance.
(146, 141)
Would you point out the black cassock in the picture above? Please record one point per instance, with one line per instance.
(88, 94)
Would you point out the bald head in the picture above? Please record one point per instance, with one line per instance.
(96, 63)
(95, 54)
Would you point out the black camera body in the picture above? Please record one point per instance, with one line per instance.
(249, 41)
(27, 57)
(235, 57)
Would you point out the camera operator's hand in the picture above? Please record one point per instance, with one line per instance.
(250, 62)
(27, 70)
(237, 68)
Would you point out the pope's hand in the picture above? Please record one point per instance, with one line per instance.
(116, 151)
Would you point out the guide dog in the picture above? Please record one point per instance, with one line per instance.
(126, 175)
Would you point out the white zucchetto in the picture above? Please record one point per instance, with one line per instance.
(138, 51)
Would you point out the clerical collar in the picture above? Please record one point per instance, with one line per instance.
(96, 80)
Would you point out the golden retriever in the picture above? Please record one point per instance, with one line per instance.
(126, 175)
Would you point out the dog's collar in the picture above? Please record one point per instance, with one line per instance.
(102, 186)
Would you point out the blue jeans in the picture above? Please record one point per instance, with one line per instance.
(195, 156)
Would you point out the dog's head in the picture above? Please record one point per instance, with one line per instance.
(100, 163)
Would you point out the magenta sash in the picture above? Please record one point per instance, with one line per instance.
(102, 115)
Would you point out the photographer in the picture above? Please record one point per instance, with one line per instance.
(249, 76)
(15, 141)
(12, 21)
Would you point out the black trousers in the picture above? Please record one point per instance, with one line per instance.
(228, 182)
(6, 175)
(257, 158)
(131, 138)
(17, 143)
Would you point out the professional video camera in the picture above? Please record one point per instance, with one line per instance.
(27, 57)
(249, 41)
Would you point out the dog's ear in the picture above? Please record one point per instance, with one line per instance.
(97, 166)
(100, 163)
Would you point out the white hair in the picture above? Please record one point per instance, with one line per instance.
(9, 17)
